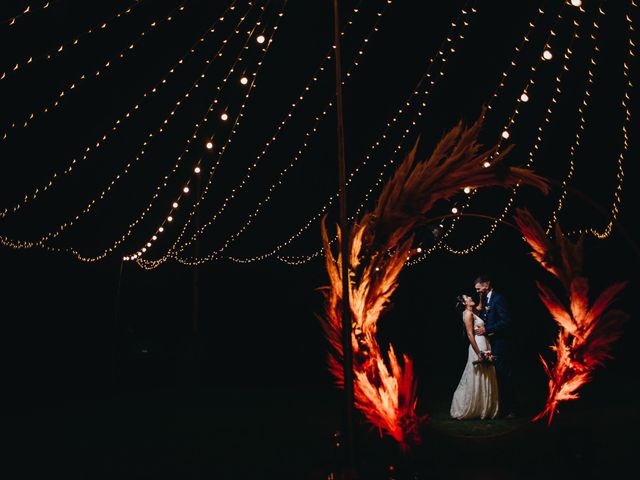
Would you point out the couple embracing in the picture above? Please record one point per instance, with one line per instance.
(485, 389)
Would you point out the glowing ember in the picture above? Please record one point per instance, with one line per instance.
(586, 333)
(379, 245)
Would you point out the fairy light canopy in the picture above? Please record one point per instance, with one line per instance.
(130, 132)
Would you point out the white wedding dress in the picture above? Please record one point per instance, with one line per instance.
(477, 392)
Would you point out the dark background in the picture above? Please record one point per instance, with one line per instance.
(76, 333)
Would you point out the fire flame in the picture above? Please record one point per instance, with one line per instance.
(586, 333)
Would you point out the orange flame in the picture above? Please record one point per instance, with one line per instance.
(586, 333)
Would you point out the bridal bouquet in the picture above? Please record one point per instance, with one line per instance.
(486, 358)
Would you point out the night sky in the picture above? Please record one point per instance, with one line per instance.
(78, 331)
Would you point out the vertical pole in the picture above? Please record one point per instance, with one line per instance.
(114, 350)
(344, 228)
(196, 285)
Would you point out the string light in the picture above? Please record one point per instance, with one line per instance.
(531, 156)
(125, 170)
(502, 82)
(248, 222)
(260, 39)
(349, 22)
(224, 117)
(524, 97)
(302, 259)
(244, 80)
(65, 46)
(155, 263)
(514, 60)
(180, 157)
(582, 107)
(314, 129)
(120, 120)
(625, 104)
(547, 55)
(26, 11)
(500, 85)
(188, 143)
(72, 86)
(115, 244)
(448, 45)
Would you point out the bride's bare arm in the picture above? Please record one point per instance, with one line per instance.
(468, 325)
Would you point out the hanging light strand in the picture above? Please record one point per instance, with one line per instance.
(141, 153)
(557, 91)
(54, 53)
(102, 139)
(583, 107)
(72, 86)
(441, 243)
(625, 104)
(512, 64)
(447, 47)
(22, 244)
(29, 9)
(472, 192)
(113, 246)
(300, 151)
(154, 263)
(425, 86)
(193, 136)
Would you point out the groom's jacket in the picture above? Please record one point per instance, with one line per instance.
(497, 321)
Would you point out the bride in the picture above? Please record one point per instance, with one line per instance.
(477, 392)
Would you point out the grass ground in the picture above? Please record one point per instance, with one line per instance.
(290, 433)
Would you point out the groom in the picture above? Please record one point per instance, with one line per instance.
(497, 327)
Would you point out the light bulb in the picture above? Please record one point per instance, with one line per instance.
(154, 238)
(419, 250)
(244, 80)
(454, 210)
(169, 218)
(467, 189)
(185, 189)
(505, 134)
(209, 145)
(260, 39)
(148, 244)
(174, 204)
(524, 97)
(576, 3)
(547, 55)
(486, 164)
(197, 169)
(224, 117)
(161, 229)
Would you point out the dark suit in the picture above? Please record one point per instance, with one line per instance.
(498, 328)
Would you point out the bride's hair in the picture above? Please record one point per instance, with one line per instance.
(460, 303)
